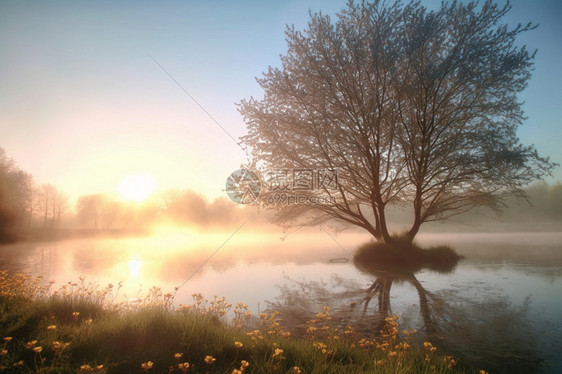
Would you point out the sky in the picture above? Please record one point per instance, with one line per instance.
(90, 91)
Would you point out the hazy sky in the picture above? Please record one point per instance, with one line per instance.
(82, 103)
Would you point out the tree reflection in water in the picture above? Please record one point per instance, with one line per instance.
(476, 323)
(385, 276)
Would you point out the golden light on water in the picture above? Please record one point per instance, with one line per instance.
(135, 265)
(137, 187)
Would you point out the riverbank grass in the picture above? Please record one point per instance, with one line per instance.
(80, 328)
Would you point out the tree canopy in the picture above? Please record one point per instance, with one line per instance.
(413, 107)
(15, 197)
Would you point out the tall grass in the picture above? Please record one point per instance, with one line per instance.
(79, 328)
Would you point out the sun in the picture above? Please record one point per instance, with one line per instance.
(137, 187)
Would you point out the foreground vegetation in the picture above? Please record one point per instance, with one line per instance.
(80, 328)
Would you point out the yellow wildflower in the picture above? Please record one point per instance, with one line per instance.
(210, 359)
(147, 365)
(238, 344)
(178, 355)
(183, 366)
(3, 352)
(296, 369)
(31, 344)
(278, 352)
(37, 349)
(51, 327)
(7, 339)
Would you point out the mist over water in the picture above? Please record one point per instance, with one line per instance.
(502, 299)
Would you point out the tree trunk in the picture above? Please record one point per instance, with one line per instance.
(46, 210)
(380, 217)
(417, 216)
(384, 229)
(414, 230)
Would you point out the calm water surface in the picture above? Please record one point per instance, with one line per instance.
(500, 309)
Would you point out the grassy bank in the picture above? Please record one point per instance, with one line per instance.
(79, 328)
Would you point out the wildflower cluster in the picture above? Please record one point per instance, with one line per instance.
(23, 286)
(319, 327)
(86, 292)
(154, 298)
(241, 315)
(217, 306)
(89, 369)
(272, 326)
(4, 350)
(70, 317)
(243, 365)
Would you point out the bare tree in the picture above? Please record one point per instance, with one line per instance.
(412, 107)
(87, 209)
(98, 210)
(47, 197)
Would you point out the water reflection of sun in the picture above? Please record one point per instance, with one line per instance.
(135, 265)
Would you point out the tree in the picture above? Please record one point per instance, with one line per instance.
(412, 107)
(87, 209)
(98, 210)
(15, 197)
(51, 204)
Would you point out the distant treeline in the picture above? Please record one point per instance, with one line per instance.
(23, 204)
(28, 211)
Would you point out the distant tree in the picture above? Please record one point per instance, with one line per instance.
(87, 210)
(110, 210)
(46, 202)
(98, 211)
(15, 197)
(51, 203)
(412, 107)
(60, 206)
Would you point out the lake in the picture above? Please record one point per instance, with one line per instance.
(500, 309)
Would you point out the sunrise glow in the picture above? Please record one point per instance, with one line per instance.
(137, 187)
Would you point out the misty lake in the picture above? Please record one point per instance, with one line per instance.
(500, 309)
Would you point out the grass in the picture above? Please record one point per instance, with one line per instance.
(79, 328)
